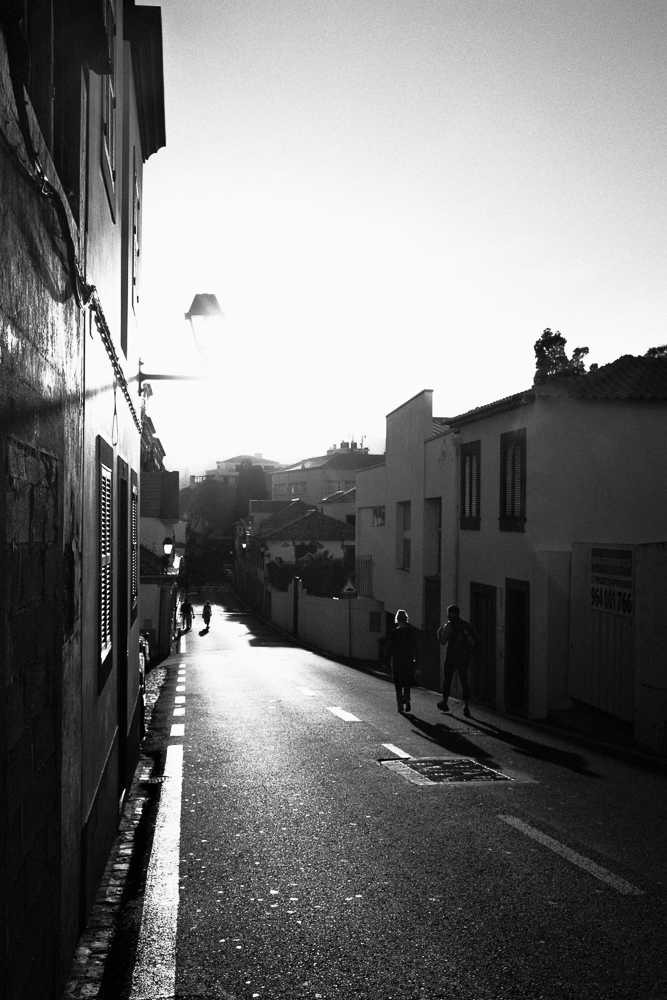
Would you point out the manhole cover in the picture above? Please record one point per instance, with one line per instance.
(444, 770)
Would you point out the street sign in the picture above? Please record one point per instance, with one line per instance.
(349, 590)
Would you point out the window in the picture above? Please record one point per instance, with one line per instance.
(109, 104)
(513, 481)
(280, 489)
(378, 517)
(296, 488)
(135, 550)
(105, 568)
(470, 485)
(403, 539)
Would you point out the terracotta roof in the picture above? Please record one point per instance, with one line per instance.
(290, 512)
(312, 527)
(628, 377)
(490, 409)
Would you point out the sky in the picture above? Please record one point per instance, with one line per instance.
(395, 195)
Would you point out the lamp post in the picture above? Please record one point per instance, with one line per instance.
(167, 548)
(204, 317)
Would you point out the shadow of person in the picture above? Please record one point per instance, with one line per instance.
(450, 739)
(534, 748)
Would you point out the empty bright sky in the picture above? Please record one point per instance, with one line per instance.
(387, 196)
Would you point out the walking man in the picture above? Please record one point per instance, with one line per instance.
(459, 638)
(187, 614)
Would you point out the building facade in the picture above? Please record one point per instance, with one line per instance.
(513, 511)
(82, 104)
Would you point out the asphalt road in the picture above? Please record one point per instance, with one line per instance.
(289, 862)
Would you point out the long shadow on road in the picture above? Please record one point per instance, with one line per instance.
(457, 742)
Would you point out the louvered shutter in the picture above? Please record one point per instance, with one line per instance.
(105, 580)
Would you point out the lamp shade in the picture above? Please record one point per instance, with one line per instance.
(168, 546)
(204, 316)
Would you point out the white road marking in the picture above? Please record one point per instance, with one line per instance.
(396, 750)
(179, 699)
(179, 711)
(178, 729)
(180, 687)
(342, 714)
(308, 692)
(577, 859)
(155, 967)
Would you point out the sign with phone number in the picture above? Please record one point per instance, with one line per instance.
(611, 581)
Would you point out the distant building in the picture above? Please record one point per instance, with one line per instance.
(227, 471)
(312, 479)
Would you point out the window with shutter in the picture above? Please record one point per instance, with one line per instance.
(105, 570)
(470, 485)
(135, 549)
(513, 481)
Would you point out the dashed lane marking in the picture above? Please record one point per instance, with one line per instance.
(396, 750)
(178, 729)
(576, 859)
(342, 714)
(307, 692)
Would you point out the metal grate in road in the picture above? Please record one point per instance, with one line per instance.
(444, 770)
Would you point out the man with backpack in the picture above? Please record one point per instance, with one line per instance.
(459, 638)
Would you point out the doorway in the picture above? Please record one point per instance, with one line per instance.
(517, 645)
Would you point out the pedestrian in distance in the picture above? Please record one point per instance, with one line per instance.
(460, 639)
(187, 614)
(206, 614)
(401, 658)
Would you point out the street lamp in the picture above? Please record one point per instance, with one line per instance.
(167, 548)
(204, 316)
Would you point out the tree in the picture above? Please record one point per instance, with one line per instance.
(657, 352)
(551, 359)
(250, 485)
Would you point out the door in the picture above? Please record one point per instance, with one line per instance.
(483, 620)
(429, 647)
(517, 651)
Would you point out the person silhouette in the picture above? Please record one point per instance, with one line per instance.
(460, 639)
(206, 614)
(401, 657)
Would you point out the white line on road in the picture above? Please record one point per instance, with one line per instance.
(178, 729)
(397, 750)
(342, 714)
(179, 711)
(154, 972)
(308, 692)
(577, 859)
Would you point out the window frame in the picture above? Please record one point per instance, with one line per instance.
(470, 515)
(379, 516)
(109, 149)
(516, 520)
